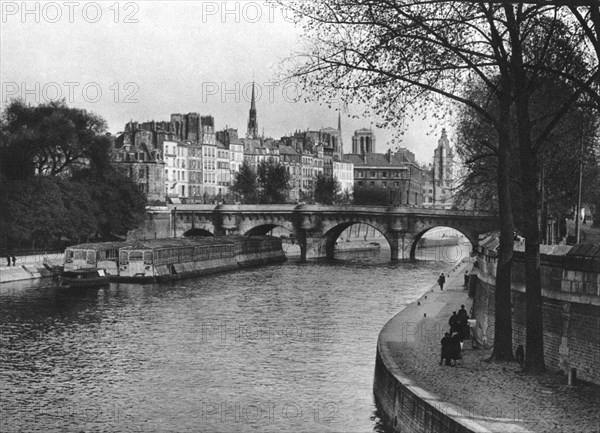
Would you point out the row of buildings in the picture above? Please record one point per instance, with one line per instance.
(187, 159)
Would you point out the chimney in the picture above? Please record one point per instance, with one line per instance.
(389, 155)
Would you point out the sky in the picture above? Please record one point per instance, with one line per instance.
(144, 60)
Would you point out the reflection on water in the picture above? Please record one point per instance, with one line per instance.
(282, 348)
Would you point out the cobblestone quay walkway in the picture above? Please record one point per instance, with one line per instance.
(496, 396)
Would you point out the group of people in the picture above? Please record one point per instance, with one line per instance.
(452, 341)
(8, 259)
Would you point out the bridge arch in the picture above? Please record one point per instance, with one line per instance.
(333, 233)
(259, 227)
(417, 238)
(196, 232)
(261, 230)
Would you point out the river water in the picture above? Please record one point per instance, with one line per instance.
(288, 347)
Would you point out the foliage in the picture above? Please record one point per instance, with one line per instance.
(45, 210)
(327, 189)
(560, 155)
(66, 201)
(246, 184)
(47, 139)
(273, 182)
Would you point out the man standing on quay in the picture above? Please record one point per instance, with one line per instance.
(441, 281)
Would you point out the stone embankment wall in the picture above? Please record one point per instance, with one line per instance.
(571, 306)
(408, 408)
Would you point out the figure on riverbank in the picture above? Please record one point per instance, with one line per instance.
(520, 355)
(441, 281)
(453, 322)
(14, 260)
(446, 349)
(455, 348)
(463, 323)
(8, 260)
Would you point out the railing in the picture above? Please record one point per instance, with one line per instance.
(314, 208)
(38, 257)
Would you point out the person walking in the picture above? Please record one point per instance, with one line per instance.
(466, 279)
(446, 347)
(8, 260)
(14, 260)
(441, 281)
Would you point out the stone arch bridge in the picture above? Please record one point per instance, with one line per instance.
(315, 227)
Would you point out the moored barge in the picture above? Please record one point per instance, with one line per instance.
(173, 258)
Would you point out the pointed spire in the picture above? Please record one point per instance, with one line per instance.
(252, 119)
(253, 101)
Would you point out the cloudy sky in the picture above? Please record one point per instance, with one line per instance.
(146, 60)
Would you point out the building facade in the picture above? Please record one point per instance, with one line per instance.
(389, 174)
(223, 169)
(143, 164)
(343, 171)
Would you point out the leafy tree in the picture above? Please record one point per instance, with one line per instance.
(273, 181)
(245, 183)
(40, 212)
(47, 139)
(559, 162)
(326, 189)
(48, 195)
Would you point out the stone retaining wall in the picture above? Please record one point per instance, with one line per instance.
(407, 408)
(571, 308)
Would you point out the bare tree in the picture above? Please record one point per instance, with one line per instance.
(398, 56)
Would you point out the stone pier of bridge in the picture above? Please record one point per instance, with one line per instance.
(316, 228)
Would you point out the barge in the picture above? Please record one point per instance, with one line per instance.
(83, 278)
(158, 260)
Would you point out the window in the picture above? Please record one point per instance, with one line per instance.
(384, 183)
(384, 174)
(372, 174)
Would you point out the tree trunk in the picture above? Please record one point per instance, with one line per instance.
(534, 340)
(503, 308)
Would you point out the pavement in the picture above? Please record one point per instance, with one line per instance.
(27, 267)
(489, 396)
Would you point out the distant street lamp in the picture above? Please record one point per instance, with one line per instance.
(578, 213)
(175, 222)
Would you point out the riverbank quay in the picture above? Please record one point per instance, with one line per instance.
(416, 394)
(28, 268)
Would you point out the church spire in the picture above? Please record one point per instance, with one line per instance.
(252, 120)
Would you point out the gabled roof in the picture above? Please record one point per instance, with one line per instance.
(287, 150)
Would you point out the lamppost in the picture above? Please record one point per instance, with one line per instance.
(578, 213)
(175, 222)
